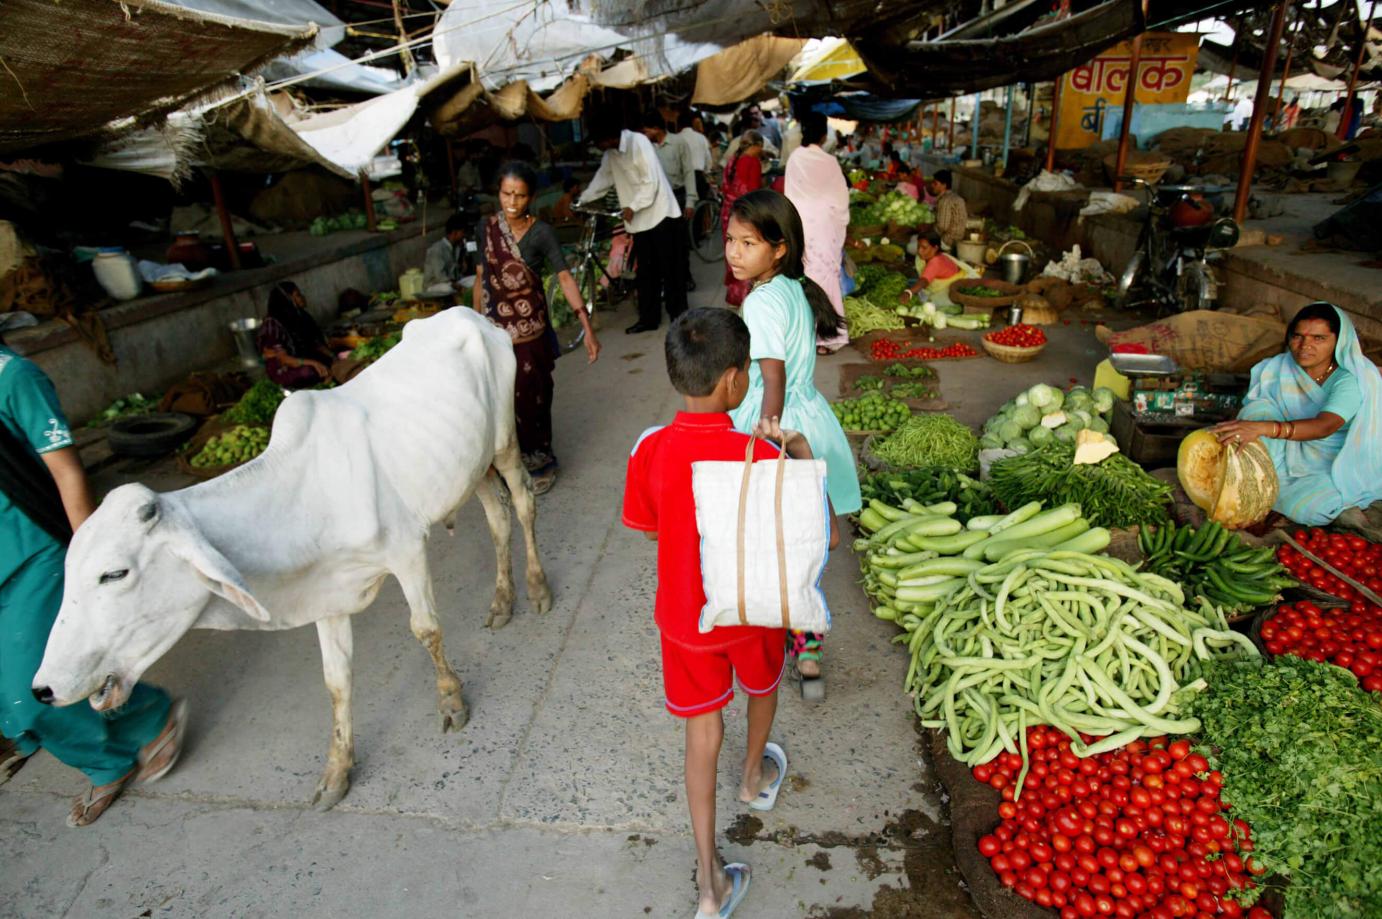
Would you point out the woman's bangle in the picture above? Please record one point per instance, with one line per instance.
(911, 294)
(1276, 430)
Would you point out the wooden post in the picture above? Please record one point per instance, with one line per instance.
(950, 144)
(1129, 97)
(1054, 123)
(1031, 115)
(1259, 112)
(1347, 113)
(1008, 127)
(1233, 64)
(974, 127)
(227, 228)
(370, 222)
(451, 167)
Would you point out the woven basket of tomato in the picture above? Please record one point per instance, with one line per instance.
(1016, 344)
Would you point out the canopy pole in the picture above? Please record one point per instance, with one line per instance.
(1285, 75)
(1259, 112)
(1031, 115)
(370, 223)
(974, 128)
(1054, 122)
(1347, 114)
(1007, 127)
(227, 228)
(950, 144)
(1129, 98)
(1233, 64)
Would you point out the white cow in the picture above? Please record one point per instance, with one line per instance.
(351, 483)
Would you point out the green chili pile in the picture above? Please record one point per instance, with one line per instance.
(931, 440)
(1113, 493)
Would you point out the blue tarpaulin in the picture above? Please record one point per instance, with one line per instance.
(859, 107)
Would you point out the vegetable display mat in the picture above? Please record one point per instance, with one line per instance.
(913, 338)
(850, 374)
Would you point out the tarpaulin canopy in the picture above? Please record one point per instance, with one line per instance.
(832, 59)
(74, 67)
(740, 72)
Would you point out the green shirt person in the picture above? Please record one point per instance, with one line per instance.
(43, 497)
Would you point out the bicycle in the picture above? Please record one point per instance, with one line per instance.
(706, 235)
(589, 269)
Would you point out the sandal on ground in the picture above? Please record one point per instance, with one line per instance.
(87, 809)
(739, 876)
(160, 755)
(809, 656)
(768, 796)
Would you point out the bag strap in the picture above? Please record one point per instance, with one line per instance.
(743, 515)
(780, 531)
(781, 539)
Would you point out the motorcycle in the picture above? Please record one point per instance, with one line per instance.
(1180, 238)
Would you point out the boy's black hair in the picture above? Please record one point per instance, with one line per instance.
(701, 345)
(944, 177)
(456, 222)
(652, 118)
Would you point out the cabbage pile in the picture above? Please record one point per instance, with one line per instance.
(1044, 414)
(894, 207)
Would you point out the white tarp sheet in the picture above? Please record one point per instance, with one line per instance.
(331, 30)
(327, 69)
(543, 43)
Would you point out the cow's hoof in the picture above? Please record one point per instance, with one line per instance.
(455, 720)
(498, 616)
(330, 793)
(540, 595)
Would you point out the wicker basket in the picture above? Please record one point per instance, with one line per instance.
(1010, 293)
(1010, 355)
(1149, 167)
(1037, 310)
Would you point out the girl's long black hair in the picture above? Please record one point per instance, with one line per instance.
(777, 221)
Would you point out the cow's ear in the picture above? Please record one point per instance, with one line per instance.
(216, 571)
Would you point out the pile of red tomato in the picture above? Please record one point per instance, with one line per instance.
(1350, 637)
(885, 349)
(1353, 555)
(1138, 831)
(1018, 336)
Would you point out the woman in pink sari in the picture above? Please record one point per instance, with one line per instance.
(743, 174)
(816, 186)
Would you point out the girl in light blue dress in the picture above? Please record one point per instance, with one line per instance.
(786, 313)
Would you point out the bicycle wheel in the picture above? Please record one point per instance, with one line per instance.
(707, 241)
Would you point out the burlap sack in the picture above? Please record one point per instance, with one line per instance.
(1205, 339)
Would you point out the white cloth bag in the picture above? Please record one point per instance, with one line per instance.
(765, 539)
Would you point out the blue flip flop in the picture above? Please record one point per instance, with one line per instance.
(768, 797)
(739, 876)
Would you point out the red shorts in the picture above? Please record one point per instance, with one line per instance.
(701, 681)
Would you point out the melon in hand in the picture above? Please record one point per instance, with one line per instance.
(1234, 484)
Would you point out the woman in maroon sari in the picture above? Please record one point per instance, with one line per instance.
(743, 174)
(515, 246)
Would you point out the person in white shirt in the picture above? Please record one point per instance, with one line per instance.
(675, 156)
(693, 132)
(630, 166)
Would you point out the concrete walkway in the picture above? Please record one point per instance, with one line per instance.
(563, 795)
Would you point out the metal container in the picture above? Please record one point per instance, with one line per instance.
(244, 331)
(1012, 267)
(970, 251)
(1143, 365)
(1014, 314)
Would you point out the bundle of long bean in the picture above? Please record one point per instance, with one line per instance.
(1115, 492)
(1081, 642)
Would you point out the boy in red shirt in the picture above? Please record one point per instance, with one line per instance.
(708, 362)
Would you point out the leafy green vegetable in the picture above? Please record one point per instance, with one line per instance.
(931, 440)
(375, 348)
(869, 384)
(912, 372)
(1113, 493)
(258, 405)
(912, 390)
(124, 407)
(1300, 748)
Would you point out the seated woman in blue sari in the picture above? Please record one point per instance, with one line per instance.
(1318, 411)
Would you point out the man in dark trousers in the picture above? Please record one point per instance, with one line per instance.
(630, 166)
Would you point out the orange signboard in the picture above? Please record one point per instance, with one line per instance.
(1163, 75)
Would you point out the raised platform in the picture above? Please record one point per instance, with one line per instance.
(160, 339)
(1281, 277)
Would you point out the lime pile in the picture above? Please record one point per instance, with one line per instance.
(238, 445)
(871, 412)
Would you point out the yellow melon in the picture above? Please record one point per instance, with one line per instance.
(1235, 485)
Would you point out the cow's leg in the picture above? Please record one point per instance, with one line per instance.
(510, 465)
(416, 581)
(337, 646)
(494, 499)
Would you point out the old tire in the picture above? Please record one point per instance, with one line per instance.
(148, 436)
